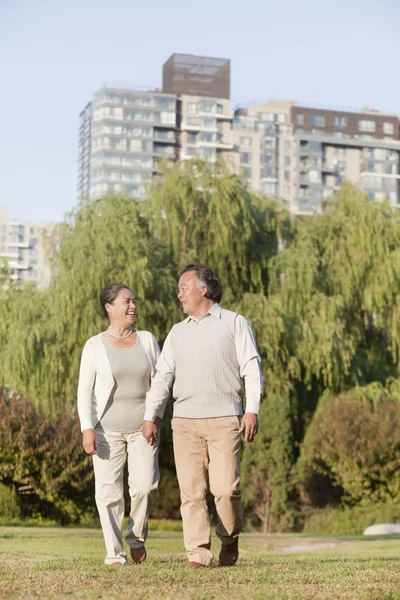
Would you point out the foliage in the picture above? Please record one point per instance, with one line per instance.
(268, 490)
(322, 294)
(355, 442)
(41, 461)
(350, 520)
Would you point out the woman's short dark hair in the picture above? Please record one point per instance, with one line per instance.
(207, 277)
(109, 293)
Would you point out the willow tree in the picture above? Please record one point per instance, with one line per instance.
(104, 242)
(207, 213)
(338, 282)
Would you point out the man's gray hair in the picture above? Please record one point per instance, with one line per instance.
(207, 277)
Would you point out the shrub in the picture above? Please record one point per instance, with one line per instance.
(42, 461)
(268, 490)
(9, 505)
(350, 520)
(353, 444)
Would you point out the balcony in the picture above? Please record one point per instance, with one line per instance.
(164, 137)
(164, 151)
(13, 264)
(193, 124)
(17, 245)
(329, 169)
(224, 143)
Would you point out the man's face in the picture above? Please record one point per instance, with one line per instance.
(191, 294)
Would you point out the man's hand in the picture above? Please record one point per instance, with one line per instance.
(250, 426)
(89, 441)
(150, 431)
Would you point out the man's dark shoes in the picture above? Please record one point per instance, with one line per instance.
(229, 554)
(138, 555)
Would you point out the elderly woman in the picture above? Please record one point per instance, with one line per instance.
(117, 366)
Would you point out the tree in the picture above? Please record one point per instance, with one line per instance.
(267, 469)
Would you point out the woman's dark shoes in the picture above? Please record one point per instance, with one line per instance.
(138, 555)
(196, 565)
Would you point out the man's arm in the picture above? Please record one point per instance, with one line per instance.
(249, 364)
(157, 396)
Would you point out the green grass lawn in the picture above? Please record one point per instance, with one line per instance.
(68, 563)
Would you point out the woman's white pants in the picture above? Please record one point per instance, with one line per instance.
(113, 451)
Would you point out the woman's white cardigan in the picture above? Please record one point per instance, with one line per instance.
(96, 381)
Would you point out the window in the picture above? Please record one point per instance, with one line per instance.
(247, 172)
(268, 157)
(190, 151)
(314, 176)
(286, 161)
(192, 108)
(246, 141)
(269, 189)
(299, 119)
(136, 145)
(366, 125)
(267, 172)
(286, 146)
(266, 116)
(287, 175)
(245, 157)
(340, 122)
(388, 128)
(192, 138)
(379, 153)
(167, 118)
(281, 118)
(270, 142)
(317, 121)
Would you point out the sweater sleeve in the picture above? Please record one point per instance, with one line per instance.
(157, 396)
(87, 375)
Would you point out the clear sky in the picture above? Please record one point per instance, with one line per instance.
(54, 54)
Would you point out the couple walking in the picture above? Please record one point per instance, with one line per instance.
(124, 384)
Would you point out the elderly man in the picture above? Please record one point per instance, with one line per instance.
(206, 357)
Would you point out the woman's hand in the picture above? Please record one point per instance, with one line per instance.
(89, 441)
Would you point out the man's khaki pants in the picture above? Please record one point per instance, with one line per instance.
(210, 446)
(113, 450)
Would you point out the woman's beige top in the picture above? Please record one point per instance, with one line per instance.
(131, 370)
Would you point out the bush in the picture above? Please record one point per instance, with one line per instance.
(42, 462)
(353, 446)
(268, 489)
(350, 520)
(9, 505)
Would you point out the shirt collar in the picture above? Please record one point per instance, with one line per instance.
(215, 311)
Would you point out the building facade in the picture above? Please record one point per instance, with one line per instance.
(283, 149)
(123, 134)
(303, 154)
(21, 245)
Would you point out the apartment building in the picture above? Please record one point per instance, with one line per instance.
(282, 148)
(22, 246)
(303, 154)
(123, 132)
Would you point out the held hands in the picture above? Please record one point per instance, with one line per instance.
(89, 441)
(150, 431)
(250, 426)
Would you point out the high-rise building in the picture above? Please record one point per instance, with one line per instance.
(123, 132)
(21, 244)
(282, 148)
